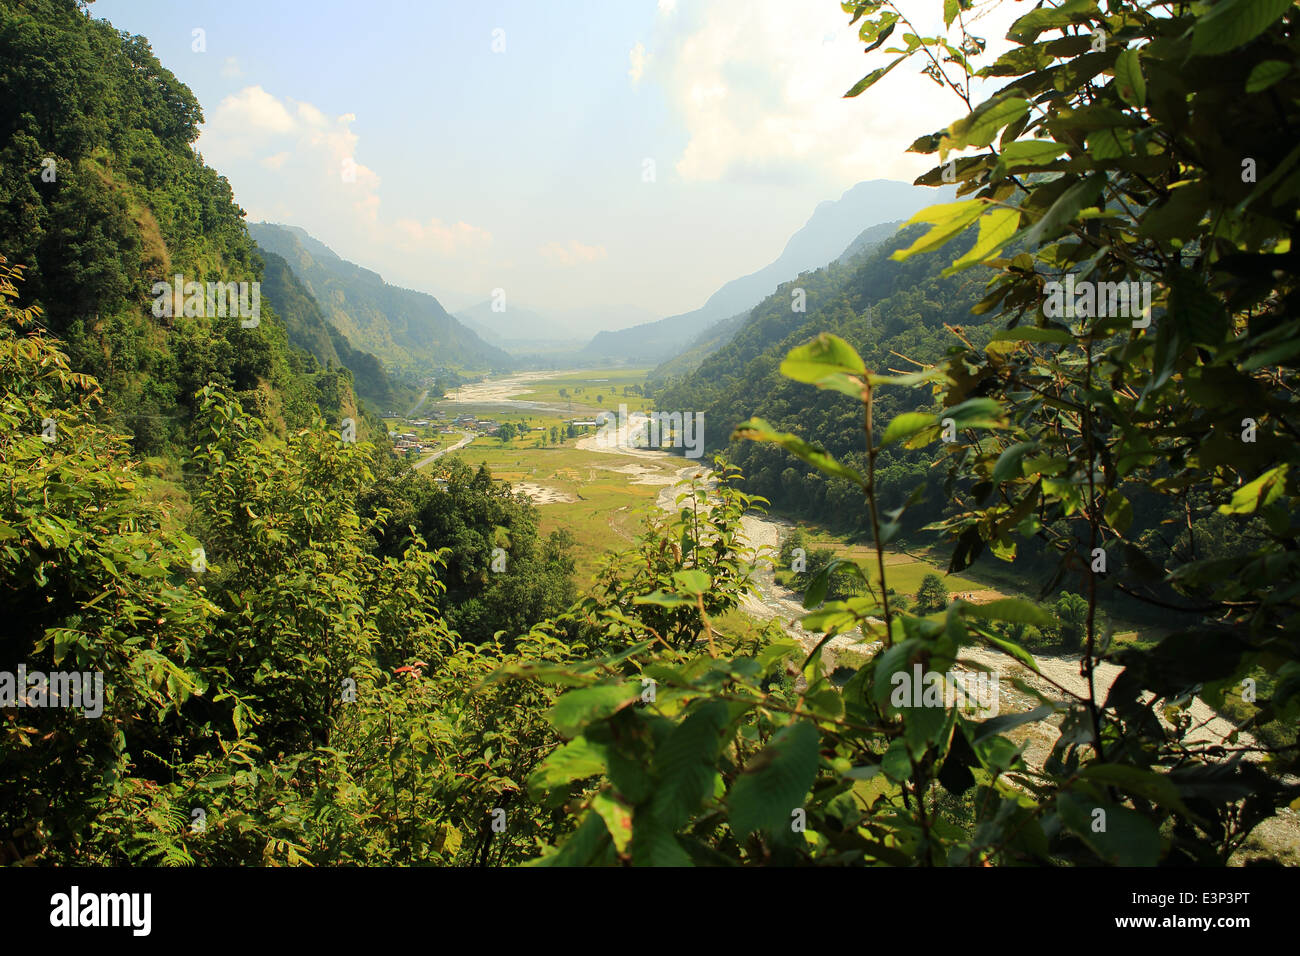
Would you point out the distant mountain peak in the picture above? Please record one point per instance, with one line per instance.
(833, 227)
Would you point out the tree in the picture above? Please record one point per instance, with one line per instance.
(932, 595)
(793, 540)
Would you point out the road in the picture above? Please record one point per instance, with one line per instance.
(468, 437)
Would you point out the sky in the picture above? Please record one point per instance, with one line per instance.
(573, 153)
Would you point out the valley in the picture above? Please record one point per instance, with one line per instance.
(369, 578)
(603, 495)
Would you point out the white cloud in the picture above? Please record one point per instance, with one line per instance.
(313, 159)
(252, 111)
(447, 240)
(636, 62)
(571, 253)
(759, 84)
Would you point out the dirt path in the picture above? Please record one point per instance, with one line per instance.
(468, 437)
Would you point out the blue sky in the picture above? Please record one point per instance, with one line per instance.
(395, 133)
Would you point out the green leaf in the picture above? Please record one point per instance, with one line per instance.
(1013, 649)
(872, 78)
(692, 582)
(948, 219)
(1010, 609)
(1062, 212)
(582, 847)
(758, 430)
(906, 425)
(1265, 74)
(775, 782)
(576, 709)
(653, 845)
(1029, 152)
(617, 817)
(1156, 787)
(995, 230)
(684, 764)
(982, 126)
(1261, 492)
(1118, 512)
(1132, 86)
(1008, 463)
(1027, 28)
(975, 413)
(824, 356)
(1032, 334)
(576, 760)
(1233, 23)
(1122, 836)
(663, 599)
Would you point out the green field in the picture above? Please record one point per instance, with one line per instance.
(600, 389)
(604, 508)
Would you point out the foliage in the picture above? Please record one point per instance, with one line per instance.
(932, 595)
(1123, 163)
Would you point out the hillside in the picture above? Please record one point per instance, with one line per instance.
(101, 197)
(308, 329)
(719, 334)
(833, 225)
(409, 331)
(881, 307)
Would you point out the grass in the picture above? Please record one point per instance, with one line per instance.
(609, 507)
(599, 389)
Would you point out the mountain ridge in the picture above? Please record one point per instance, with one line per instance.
(829, 231)
(408, 330)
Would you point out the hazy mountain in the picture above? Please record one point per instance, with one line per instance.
(833, 226)
(720, 333)
(408, 331)
(520, 329)
(517, 326)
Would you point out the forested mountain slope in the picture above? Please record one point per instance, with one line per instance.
(308, 329)
(410, 332)
(886, 309)
(102, 196)
(719, 334)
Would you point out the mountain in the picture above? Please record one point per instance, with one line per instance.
(833, 225)
(409, 331)
(886, 310)
(520, 329)
(720, 333)
(308, 329)
(104, 202)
